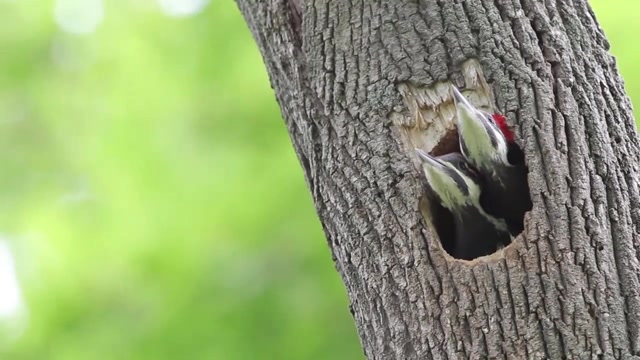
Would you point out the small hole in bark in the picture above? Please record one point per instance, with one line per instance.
(617, 139)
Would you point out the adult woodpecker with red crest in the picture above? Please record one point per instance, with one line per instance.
(488, 144)
(459, 188)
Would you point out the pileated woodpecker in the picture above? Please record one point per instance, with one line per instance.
(488, 145)
(458, 188)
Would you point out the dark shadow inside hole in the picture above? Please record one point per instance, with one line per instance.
(444, 225)
(448, 144)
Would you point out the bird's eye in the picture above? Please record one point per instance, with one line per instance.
(468, 169)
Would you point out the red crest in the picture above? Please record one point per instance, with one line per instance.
(501, 121)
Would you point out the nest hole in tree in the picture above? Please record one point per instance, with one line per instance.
(442, 218)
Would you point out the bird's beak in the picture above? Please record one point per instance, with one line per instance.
(434, 166)
(428, 159)
(468, 115)
(474, 129)
(461, 102)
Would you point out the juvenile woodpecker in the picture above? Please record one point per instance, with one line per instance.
(488, 145)
(458, 188)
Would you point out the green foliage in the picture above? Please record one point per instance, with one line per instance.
(154, 202)
(151, 196)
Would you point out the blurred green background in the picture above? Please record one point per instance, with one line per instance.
(152, 205)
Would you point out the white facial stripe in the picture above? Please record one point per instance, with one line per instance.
(472, 186)
(500, 140)
(474, 198)
(501, 154)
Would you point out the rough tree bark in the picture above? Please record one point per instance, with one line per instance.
(360, 82)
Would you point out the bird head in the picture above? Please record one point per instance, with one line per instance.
(483, 137)
(452, 179)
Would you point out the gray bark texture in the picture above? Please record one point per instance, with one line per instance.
(362, 82)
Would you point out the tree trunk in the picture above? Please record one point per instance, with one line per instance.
(361, 83)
